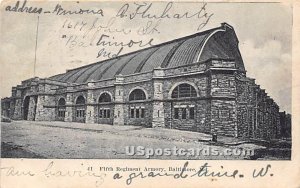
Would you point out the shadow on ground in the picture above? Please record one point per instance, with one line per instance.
(13, 151)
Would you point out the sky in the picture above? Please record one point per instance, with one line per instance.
(264, 31)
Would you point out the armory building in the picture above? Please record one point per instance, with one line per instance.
(196, 83)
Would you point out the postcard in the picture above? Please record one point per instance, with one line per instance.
(149, 94)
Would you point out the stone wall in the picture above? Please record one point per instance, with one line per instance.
(45, 110)
(32, 108)
(286, 126)
(223, 117)
(223, 108)
(18, 111)
(258, 114)
(158, 114)
(119, 101)
(90, 101)
(6, 107)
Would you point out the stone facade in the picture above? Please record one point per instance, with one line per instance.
(286, 125)
(212, 96)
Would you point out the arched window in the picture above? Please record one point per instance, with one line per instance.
(80, 100)
(184, 91)
(80, 109)
(137, 95)
(104, 97)
(61, 108)
(61, 102)
(104, 110)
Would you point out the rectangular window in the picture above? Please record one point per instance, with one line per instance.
(100, 114)
(132, 113)
(192, 113)
(176, 113)
(137, 113)
(108, 113)
(105, 113)
(183, 111)
(143, 113)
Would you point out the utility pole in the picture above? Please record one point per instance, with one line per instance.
(36, 38)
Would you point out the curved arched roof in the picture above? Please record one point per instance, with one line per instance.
(219, 42)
